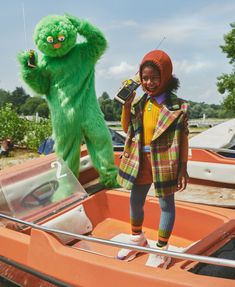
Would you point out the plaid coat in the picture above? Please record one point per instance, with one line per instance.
(164, 147)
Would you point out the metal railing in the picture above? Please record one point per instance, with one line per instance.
(173, 254)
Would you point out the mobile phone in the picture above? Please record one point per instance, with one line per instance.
(129, 86)
(31, 60)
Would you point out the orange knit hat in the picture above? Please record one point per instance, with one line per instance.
(163, 63)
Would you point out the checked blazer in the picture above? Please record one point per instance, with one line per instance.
(164, 147)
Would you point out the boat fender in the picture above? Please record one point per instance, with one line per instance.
(74, 221)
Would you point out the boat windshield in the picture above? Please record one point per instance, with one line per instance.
(47, 188)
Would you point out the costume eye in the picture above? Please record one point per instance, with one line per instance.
(50, 39)
(61, 38)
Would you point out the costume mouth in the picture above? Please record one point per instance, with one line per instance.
(57, 45)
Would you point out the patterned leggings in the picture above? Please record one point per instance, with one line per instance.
(167, 217)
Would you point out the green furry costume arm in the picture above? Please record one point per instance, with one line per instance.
(34, 77)
(96, 43)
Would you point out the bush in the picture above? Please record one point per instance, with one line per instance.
(36, 132)
(22, 131)
(11, 125)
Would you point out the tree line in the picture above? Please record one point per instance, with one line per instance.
(24, 105)
(112, 110)
(30, 133)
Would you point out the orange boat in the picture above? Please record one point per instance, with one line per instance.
(58, 231)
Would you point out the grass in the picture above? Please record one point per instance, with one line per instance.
(17, 156)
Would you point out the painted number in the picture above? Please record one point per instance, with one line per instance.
(57, 164)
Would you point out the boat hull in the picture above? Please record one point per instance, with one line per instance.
(198, 230)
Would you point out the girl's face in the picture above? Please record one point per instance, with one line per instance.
(150, 79)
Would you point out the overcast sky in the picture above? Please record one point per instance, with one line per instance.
(192, 33)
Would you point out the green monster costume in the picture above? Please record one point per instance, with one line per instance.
(65, 74)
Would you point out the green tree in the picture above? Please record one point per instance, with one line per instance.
(110, 108)
(17, 98)
(117, 110)
(32, 105)
(226, 82)
(43, 110)
(195, 110)
(4, 97)
(104, 97)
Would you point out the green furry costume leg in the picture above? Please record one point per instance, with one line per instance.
(101, 155)
(65, 74)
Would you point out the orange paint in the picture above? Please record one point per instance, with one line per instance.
(206, 226)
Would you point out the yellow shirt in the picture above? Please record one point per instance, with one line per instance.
(150, 117)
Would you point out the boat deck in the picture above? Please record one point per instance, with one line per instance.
(118, 230)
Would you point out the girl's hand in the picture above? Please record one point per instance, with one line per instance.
(182, 178)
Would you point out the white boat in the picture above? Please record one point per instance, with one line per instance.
(212, 154)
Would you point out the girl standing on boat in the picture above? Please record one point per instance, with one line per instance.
(156, 149)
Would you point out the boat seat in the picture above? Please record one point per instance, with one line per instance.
(75, 221)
